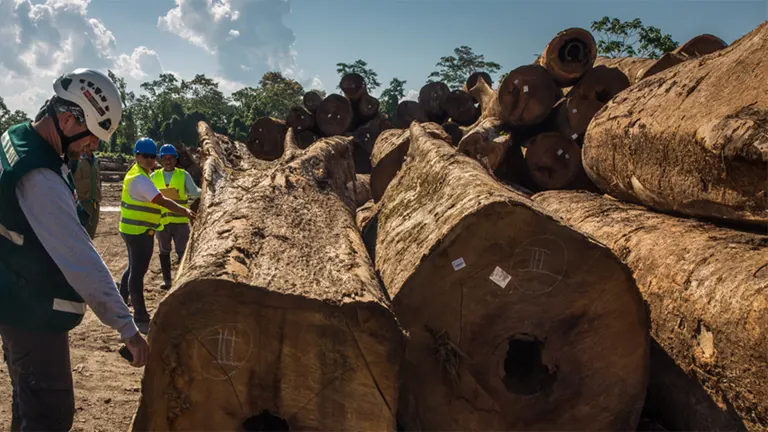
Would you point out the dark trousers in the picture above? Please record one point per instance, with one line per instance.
(178, 233)
(140, 249)
(41, 376)
(92, 208)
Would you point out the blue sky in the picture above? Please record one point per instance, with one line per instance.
(238, 40)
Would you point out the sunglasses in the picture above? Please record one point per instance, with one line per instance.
(148, 156)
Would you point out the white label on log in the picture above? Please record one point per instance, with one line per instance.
(559, 152)
(574, 136)
(567, 157)
(458, 264)
(517, 81)
(500, 277)
(525, 89)
(575, 110)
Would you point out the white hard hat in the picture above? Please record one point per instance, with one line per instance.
(96, 95)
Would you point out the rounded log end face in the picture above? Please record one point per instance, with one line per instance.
(475, 76)
(307, 138)
(433, 98)
(312, 101)
(526, 96)
(266, 138)
(217, 340)
(353, 86)
(520, 314)
(665, 62)
(570, 55)
(602, 83)
(553, 160)
(701, 45)
(460, 107)
(368, 106)
(409, 112)
(300, 119)
(579, 109)
(454, 130)
(334, 115)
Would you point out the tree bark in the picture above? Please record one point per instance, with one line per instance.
(334, 115)
(493, 352)
(707, 288)
(524, 98)
(353, 86)
(664, 62)
(312, 101)
(554, 162)
(360, 189)
(597, 87)
(569, 56)
(632, 67)
(486, 143)
(266, 138)
(300, 119)
(432, 98)
(408, 112)
(691, 140)
(460, 107)
(277, 306)
(189, 164)
(390, 151)
(473, 79)
(701, 45)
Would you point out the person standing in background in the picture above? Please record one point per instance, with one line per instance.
(87, 175)
(180, 186)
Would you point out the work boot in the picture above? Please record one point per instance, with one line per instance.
(165, 266)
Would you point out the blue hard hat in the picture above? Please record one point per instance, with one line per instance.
(168, 149)
(146, 146)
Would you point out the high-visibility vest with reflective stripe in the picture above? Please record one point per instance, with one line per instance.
(178, 182)
(137, 217)
(34, 293)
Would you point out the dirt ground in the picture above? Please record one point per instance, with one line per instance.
(106, 386)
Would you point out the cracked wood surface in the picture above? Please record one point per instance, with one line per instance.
(707, 288)
(443, 212)
(277, 306)
(692, 139)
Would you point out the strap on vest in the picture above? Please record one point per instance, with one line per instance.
(138, 223)
(68, 306)
(127, 206)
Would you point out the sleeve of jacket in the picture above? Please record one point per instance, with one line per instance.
(50, 209)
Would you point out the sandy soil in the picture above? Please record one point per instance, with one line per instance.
(106, 386)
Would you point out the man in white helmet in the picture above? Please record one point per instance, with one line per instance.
(49, 268)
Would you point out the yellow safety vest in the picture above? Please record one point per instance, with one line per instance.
(137, 217)
(178, 182)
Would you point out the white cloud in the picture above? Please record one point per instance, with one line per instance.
(412, 95)
(140, 65)
(40, 41)
(248, 37)
(316, 84)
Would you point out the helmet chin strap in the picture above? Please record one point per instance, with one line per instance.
(65, 140)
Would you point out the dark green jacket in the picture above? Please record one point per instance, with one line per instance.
(34, 294)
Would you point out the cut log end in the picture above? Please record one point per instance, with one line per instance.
(408, 112)
(487, 143)
(665, 62)
(701, 45)
(334, 115)
(553, 160)
(367, 107)
(353, 86)
(432, 98)
(526, 96)
(460, 107)
(300, 119)
(266, 138)
(455, 131)
(475, 77)
(312, 101)
(569, 56)
(483, 94)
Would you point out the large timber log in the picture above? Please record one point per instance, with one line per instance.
(266, 138)
(408, 112)
(554, 162)
(432, 99)
(701, 45)
(524, 98)
(534, 327)
(353, 86)
(691, 139)
(486, 143)
(360, 189)
(390, 151)
(334, 115)
(569, 56)
(312, 101)
(300, 119)
(367, 107)
(472, 81)
(707, 288)
(460, 107)
(455, 131)
(366, 135)
(599, 85)
(277, 308)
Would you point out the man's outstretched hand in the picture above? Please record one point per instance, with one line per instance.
(139, 349)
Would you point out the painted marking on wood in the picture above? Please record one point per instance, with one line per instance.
(539, 264)
(226, 349)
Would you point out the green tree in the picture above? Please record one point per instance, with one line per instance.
(631, 38)
(360, 67)
(8, 118)
(391, 96)
(276, 95)
(455, 69)
(127, 132)
(202, 94)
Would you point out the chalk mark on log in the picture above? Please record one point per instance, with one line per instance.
(370, 371)
(234, 390)
(314, 396)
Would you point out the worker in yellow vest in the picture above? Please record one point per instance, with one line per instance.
(141, 210)
(177, 184)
